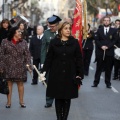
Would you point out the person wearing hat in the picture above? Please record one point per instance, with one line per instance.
(49, 34)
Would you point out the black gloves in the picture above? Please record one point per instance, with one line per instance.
(78, 81)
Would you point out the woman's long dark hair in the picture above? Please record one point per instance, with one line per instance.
(5, 21)
(12, 32)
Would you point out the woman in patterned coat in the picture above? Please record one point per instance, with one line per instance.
(14, 56)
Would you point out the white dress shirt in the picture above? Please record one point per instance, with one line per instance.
(39, 36)
(106, 29)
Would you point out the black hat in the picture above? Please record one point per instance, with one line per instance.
(54, 19)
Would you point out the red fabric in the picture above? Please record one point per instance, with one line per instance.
(14, 41)
(77, 23)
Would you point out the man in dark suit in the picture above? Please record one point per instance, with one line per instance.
(105, 39)
(116, 61)
(87, 50)
(35, 49)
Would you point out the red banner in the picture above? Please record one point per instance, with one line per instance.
(119, 7)
(77, 23)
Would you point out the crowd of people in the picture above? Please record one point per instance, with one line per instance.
(54, 50)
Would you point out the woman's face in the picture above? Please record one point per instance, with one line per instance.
(22, 26)
(18, 35)
(66, 31)
(5, 25)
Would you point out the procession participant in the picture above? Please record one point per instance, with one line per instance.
(48, 35)
(88, 50)
(117, 23)
(65, 66)
(23, 30)
(105, 39)
(4, 29)
(35, 50)
(14, 56)
(117, 61)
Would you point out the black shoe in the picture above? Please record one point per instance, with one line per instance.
(8, 106)
(108, 86)
(94, 85)
(22, 105)
(86, 74)
(115, 78)
(34, 83)
(48, 105)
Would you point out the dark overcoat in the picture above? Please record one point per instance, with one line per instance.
(35, 47)
(13, 60)
(64, 63)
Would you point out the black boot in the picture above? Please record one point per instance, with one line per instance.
(59, 108)
(66, 108)
(115, 77)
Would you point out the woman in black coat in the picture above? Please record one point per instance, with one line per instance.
(4, 29)
(23, 30)
(65, 66)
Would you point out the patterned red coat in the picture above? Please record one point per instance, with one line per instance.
(13, 60)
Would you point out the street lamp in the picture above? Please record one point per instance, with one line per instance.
(106, 3)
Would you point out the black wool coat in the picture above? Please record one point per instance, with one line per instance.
(64, 63)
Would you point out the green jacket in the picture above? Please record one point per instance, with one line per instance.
(48, 35)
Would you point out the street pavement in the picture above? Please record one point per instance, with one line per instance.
(98, 103)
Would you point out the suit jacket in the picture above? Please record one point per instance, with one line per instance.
(108, 40)
(35, 47)
(88, 43)
(118, 39)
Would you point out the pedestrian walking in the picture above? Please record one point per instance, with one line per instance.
(14, 56)
(49, 34)
(65, 66)
(88, 50)
(4, 29)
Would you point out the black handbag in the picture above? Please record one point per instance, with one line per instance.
(3, 85)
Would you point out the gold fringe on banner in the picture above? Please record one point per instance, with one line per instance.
(85, 28)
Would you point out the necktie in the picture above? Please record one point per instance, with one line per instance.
(106, 31)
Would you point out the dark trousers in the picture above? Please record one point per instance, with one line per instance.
(87, 54)
(107, 63)
(116, 67)
(49, 100)
(36, 62)
(62, 107)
